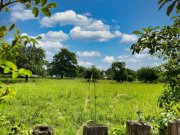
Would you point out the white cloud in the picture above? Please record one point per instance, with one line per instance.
(19, 13)
(126, 38)
(85, 27)
(109, 59)
(50, 45)
(54, 36)
(88, 54)
(139, 60)
(86, 35)
(64, 18)
(85, 64)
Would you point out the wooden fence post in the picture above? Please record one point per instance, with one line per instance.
(136, 128)
(42, 130)
(174, 128)
(95, 130)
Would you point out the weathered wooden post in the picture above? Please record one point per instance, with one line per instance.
(137, 128)
(95, 130)
(42, 130)
(174, 128)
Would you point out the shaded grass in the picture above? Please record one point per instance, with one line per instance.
(62, 103)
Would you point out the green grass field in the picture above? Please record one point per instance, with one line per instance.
(68, 104)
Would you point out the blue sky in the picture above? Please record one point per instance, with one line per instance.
(98, 31)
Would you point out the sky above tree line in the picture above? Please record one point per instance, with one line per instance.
(98, 31)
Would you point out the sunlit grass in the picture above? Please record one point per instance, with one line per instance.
(65, 105)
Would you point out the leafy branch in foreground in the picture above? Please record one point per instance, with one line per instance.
(35, 5)
(164, 43)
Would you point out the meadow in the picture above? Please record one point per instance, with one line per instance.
(67, 105)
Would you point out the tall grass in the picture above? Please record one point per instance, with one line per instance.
(63, 104)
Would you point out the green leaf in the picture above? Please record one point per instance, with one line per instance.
(12, 27)
(7, 70)
(23, 1)
(144, 29)
(22, 71)
(10, 65)
(35, 11)
(43, 2)
(46, 11)
(37, 2)
(52, 5)
(28, 72)
(170, 8)
(3, 31)
(28, 6)
(25, 72)
(39, 37)
(6, 9)
(33, 41)
(173, 17)
(162, 4)
(160, 1)
(137, 32)
(14, 75)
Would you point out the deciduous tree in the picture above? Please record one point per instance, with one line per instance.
(64, 63)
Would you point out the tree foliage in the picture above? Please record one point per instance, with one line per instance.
(118, 71)
(131, 75)
(6, 48)
(147, 74)
(64, 64)
(92, 73)
(31, 58)
(165, 43)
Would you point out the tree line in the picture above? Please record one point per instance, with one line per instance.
(65, 65)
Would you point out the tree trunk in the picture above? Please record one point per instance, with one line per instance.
(95, 130)
(27, 78)
(62, 76)
(136, 128)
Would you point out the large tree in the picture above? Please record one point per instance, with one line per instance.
(31, 58)
(131, 75)
(93, 73)
(64, 63)
(118, 71)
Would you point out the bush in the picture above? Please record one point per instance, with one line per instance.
(147, 74)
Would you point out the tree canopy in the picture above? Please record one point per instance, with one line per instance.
(118, 71)
(31, 58)
(64, 63)
(147, 74)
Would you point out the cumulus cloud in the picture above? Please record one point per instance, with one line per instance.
(18, 12)
(109, 59)
(85, 27)
(55, 36)
(88, 54)
(126, 38)
(85, 64)
(79, 33)
(64, 18)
